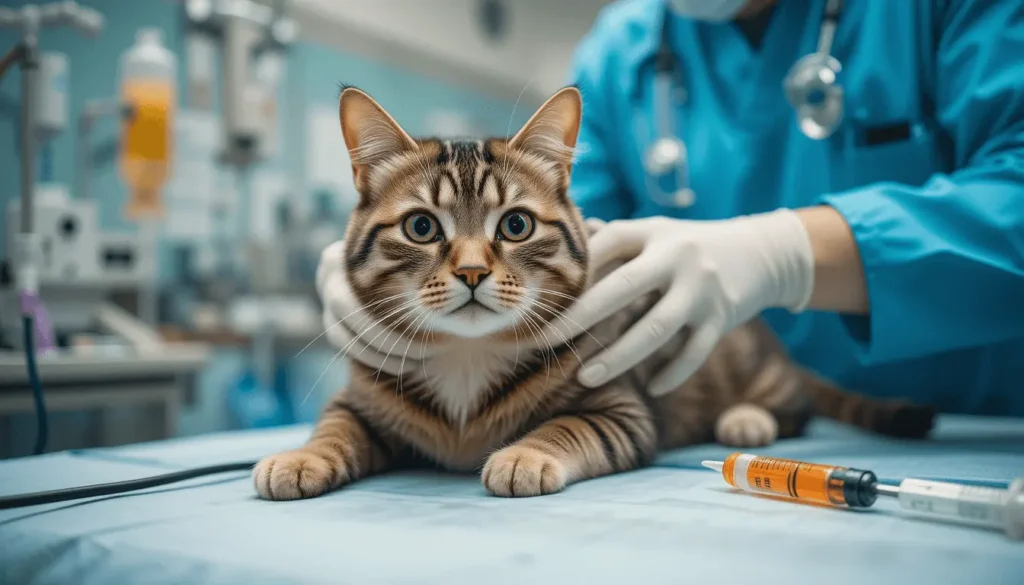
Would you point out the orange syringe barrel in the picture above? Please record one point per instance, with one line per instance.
(829, 485)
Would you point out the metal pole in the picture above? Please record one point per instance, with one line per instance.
(29, 72)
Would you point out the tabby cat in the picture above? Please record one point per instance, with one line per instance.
(471, 247)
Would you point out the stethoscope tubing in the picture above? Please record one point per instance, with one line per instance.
(814, 73)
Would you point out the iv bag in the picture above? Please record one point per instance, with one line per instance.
(148, 71)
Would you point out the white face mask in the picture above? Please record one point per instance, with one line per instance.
(713, 10)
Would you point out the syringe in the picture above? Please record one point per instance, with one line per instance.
(846, 487)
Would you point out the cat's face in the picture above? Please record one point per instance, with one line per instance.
(468, 239)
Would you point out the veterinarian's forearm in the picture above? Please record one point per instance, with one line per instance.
(838, 273)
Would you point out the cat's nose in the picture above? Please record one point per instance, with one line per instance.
(472, 275)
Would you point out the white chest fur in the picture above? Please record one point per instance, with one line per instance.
(464, 372)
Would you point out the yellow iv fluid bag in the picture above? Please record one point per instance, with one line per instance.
(148, 72)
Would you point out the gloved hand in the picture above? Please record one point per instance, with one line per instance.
(714, 275)
(350, 328)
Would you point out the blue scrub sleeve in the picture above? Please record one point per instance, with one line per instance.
(944, 262)
(597, 187)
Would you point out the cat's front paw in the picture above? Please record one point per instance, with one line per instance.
(746, 425)
(521, 471)
(294, 475)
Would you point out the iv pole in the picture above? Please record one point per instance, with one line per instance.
(246, 30)
(29, 20)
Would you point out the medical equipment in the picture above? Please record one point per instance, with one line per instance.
(253, 39)
(148, 76)
(668, 151)
(29, 20)
(52, 99)
(74, 251)
(845, 487)
(811, 87)
(78, 264)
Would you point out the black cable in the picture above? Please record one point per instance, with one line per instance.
(100, 489)
(118, 487)
(42, 421)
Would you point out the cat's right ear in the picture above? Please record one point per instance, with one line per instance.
(371, 134)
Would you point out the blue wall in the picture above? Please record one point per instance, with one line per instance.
(314, 73)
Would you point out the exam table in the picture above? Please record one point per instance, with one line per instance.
(671, 523)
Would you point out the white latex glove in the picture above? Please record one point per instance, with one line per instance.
(349, 328)
(715, 275)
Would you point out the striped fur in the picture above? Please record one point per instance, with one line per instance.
(492, 397)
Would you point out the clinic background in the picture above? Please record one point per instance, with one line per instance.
(196, 327)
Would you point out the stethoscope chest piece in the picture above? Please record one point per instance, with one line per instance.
(665, 155)
(813, 90)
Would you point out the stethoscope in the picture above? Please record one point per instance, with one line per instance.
(811, 87)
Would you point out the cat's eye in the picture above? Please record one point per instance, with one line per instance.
(421, 228)
(515, 226)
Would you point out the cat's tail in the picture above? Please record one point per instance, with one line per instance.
(895, 418)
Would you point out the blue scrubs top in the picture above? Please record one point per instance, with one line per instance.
(927, 169)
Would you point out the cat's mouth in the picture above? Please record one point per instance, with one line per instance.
(473, 319)
(473, 307)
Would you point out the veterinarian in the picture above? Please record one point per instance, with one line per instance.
(854, 171)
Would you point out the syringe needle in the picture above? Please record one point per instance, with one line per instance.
(714, 465)
(887, 490)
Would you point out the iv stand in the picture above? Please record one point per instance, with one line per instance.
(29, 20)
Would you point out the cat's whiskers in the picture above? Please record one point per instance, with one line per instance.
(405, 353)
(508, 131)
(551, 307)
(423, 348)
(530, 329)
(411, 331)
(549, 356)
(563, 318)
(515, 331)
(348, 346)
(567, 342)
(439, 303)
(557, 294)
(424, 314)
(534, 326)
(373, 302)
(339, 321)
(543, 339)
(394, 327)
(547, 367)
(387, 316)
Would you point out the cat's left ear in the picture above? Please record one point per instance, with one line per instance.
(552, 131)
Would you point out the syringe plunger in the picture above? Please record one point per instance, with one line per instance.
(991, 507)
